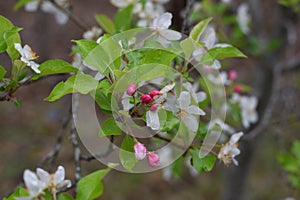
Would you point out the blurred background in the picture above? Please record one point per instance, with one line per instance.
(28, 133)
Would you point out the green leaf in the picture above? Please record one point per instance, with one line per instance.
(296, 150)
(126, 155)
(11, 37)
(106, 23)
(81, 83)
(20, 192)
(199, 28)
(2, 72)
(123, 18)
(288, 162)
(159, 56)
(51, 67)
(5, 25)
(90, 187)
(149, 71)
(85, 47)
(65, 196)
(170, 123)
(105, 57)
(188, 46)
(204, 164)
(103, 100)
(220, 53)
(20, 4)
(109, 127)
(8, 36)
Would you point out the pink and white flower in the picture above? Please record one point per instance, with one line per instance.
(153, 159)
(140, 151)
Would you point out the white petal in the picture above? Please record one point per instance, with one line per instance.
(31, 181)
(184, 100)
(34, 66)
(167, 88)
(163, 21)
(170, 34)
(19, 48)
(191, 122)
(59, 175)
(48, 7)
(223, 45)
(195, 110)
(235, 162)
(142, 23)
(99, 76)
(65, 184)
(31, 6)
(43, 175)
(209, 37)
(126, 103)
(198, 53)
(235, 137)
(152, 120)
(61, 17)
(163, 41)
(201, 96)
(120, 3)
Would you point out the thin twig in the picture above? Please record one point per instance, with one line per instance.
(187, 10)
(72, 17)
(52, 155)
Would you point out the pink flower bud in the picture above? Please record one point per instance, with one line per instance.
(154, 107)
(237, 88)
(154, 93)
(131, 89)
(140, 151)
(232, 74)
(153, 159)
(146, 99)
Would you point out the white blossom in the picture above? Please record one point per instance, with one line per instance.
(248, 108)
(220, 79)
(27, 56)
(209, 39)
(199, 96)
(243, 17)
(54, 181)
(161, 25)
(92, 34)
(230, 150)
(186, 111)
(249, 114)
(49, 7)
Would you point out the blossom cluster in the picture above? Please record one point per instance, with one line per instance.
(145, 12)
(37, 182)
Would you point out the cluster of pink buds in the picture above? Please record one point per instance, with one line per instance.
(148, 98)
(140, 153)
